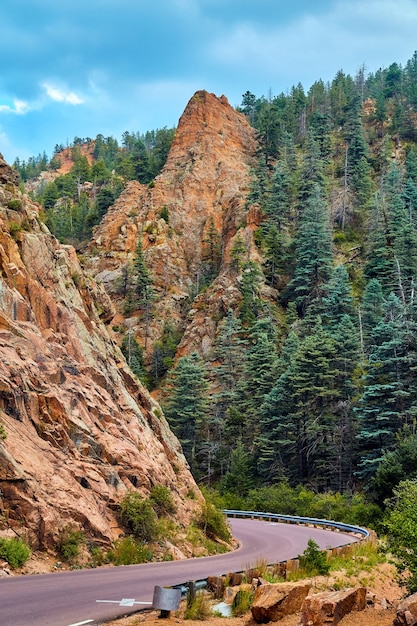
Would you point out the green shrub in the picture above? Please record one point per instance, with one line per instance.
(162, 501)
(15, 551)
(164, 213)
(198, 608)
(127, 551)
(15, 205)
(98, 556)
(362, 556)
(213, 522)
(69, 542)
(400, 523)
(3, 433)
(14, 228)
(242, 602)
(138, 516)
(313, 560)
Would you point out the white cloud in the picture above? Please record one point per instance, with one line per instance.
(19, 107)
(350, 33)
(61, 95)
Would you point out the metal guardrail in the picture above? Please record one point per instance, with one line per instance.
(288, 519)
(294, 519)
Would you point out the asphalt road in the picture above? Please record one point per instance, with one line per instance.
(94, 596)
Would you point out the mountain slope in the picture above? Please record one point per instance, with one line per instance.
(81, 430)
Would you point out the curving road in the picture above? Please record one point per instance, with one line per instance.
(90, 597)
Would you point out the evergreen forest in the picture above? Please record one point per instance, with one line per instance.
(308, 403)
(76, 201)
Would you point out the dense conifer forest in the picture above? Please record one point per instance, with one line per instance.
(308, 404)
(76, 201)
(316, 392)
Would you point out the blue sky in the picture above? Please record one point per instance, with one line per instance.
(82, 67)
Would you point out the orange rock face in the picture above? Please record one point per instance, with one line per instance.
(202, 188)
(81, 429)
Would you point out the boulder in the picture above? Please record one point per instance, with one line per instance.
(328, 608)
(274, 601)
(215, 584)
(407, 612)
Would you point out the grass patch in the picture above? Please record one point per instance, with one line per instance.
(199, 607)
(242, 602)
(362, 557)
(201, 542)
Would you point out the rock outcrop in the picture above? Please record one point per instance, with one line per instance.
(272, 602)
(81, 430)
(407, 612)
(329, 608)
(201, 192)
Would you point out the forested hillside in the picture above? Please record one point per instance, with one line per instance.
(309, 377)
(81, 181)
(318, 385)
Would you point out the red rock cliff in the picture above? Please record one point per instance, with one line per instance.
(202, 187)
(81, 430)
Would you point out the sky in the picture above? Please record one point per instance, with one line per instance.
(78, 68)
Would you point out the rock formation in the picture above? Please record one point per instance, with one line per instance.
(202, 193)
(330, 607)
(272, 602)
(81, 430)
(407, 612)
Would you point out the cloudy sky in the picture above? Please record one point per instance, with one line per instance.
(82, 67)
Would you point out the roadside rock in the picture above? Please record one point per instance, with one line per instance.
(407, 612)
(329, 608)
(272, 602)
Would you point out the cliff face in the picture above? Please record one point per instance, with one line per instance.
(81, 430)
(201, 190)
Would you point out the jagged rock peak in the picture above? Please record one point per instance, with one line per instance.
(207, 115)
(202, 188)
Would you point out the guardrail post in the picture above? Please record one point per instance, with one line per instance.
(191, 592)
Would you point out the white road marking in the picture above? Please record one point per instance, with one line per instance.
(123, 602)
(127, 602)
(86, 621)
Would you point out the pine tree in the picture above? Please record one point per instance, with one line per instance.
(239, 478)
(141, 273)
(258, 376)
(278, 205)
(144, 295)
(370, 311)
(313, 255)
(226, 420)
(187, 404)
(379, 262)
(251, 304)
(133, 354)
(339, 301)
(387, 403)
(297, 418)
(312, 171)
